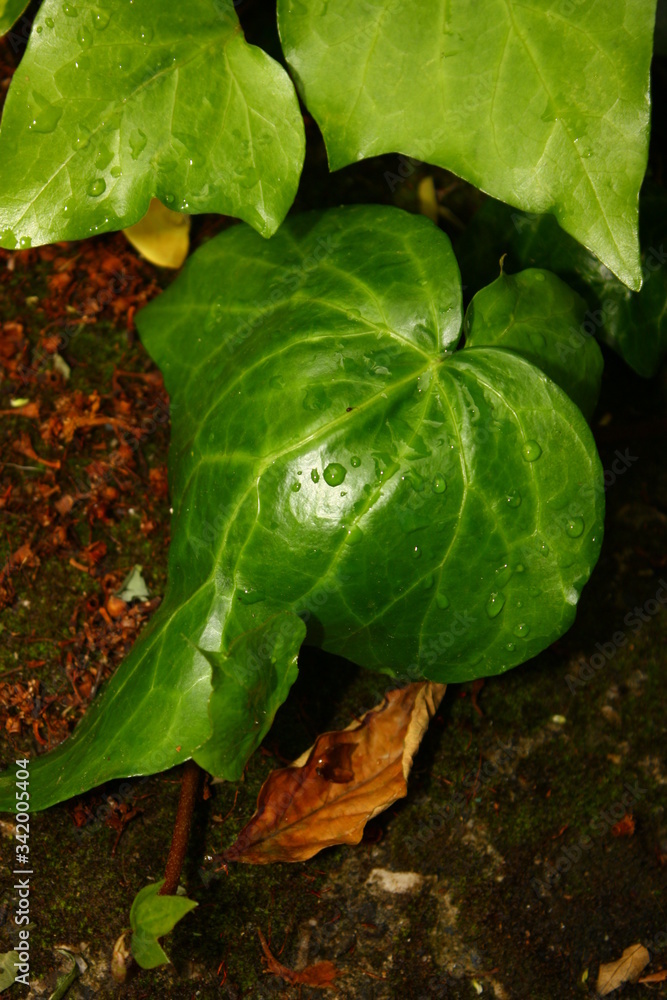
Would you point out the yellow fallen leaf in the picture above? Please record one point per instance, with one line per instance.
(625, 969)
(162, 236)
(329, 794)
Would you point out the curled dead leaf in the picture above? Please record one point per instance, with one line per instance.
(346, 778)
(625, 969)
(321, 975)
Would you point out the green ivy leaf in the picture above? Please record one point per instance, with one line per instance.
(10, 11)
(249, 687)
(117, 103)
(537, 315)
(543, 106)
(151, 917)
(633, 324)
(426, 513)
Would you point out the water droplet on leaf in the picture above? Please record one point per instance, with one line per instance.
(416, 552)
(495, 605)
(96, 187)
(137, 142)
(70, 10)
(315, 476)
(250, 596)
(531, 451)
(442, 601)
(334, 474)
(355, 461)
(575, 527)
(514, 498)
(439, 484)
(522, 630)
(354, 535)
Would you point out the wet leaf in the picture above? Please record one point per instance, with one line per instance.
(151, 917)
(116, 104)
(547, 110)
(162, 236)
(343, 781)
(626, 969)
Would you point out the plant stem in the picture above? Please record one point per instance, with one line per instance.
(179, 840)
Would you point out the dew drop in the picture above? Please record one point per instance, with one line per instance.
(146, 34)
(96, 187)
(46, 117)
(49, 22)
(115, 171)
(81, 137)
(103, 158)
(514, 498)
(70, 10)
(314, 475)
(354, 535)
(101, 19)
(169, 199)
(296, 487)
(442, 601)
(521, 630)
(416, 552)
(531, 451)
(510, 646)
(250, 596)
(543, 548)
(25, 242)
(137, 142)
(85, 37)
(495, 605)
(355, 461)
(334, 474)
(428, 581)
(439, 484)
(39, 29)
(575, 527)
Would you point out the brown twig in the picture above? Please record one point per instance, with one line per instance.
(179, 840)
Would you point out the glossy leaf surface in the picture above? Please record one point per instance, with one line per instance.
(544, 106)
(115, 104)
(426, 513)
(537, 315)
(151, 917)
(633, 324)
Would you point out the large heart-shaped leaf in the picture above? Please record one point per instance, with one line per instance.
(542, 105)
(634, 324)
(426, 513)
(114, 104)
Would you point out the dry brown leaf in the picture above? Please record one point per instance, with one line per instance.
(655, 977)
(321, 975)
(162, 236)
(626, 969)
(329, 794)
